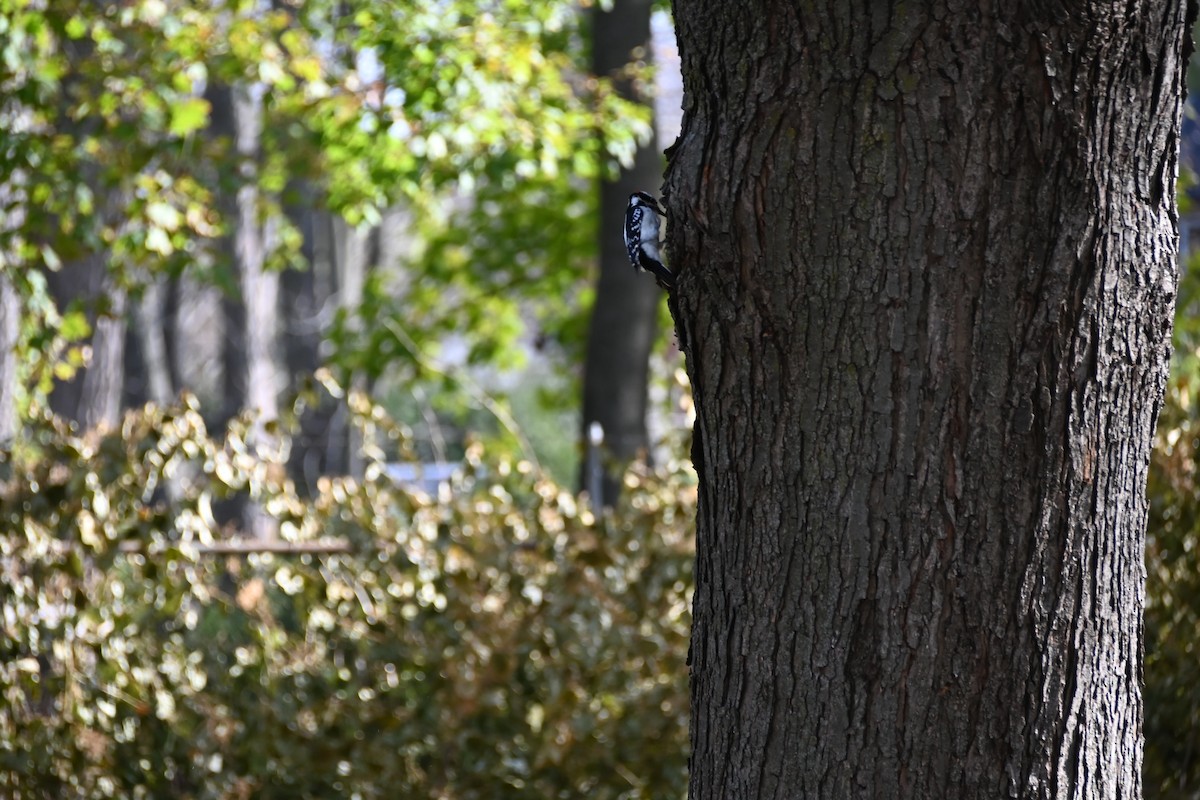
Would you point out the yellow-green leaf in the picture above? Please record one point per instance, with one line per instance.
(76, 27)
(64, 371)
(74, 326)
(188, 114)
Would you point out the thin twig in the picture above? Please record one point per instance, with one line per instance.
(234, 547)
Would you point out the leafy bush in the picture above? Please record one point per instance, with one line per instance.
(1172, 666)
(1172, 669)
(498, 641)
(1172, 701)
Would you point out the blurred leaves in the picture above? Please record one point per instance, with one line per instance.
(498, 640)
(476, 118)
(188, 115)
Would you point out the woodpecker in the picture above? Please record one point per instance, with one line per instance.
(642, 237)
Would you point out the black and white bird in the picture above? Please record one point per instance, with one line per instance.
(642, 231)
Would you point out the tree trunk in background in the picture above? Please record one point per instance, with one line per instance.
(624, 322)
(233, 357)
(149, 373)
(149, 318)
(13, 201)
(252, 372)
(927, 280)
(352, 251)
(104, 377)
(251, 242)
(259, 288)
(10, 330)
(93, 396)
(221, 124)
(304, 293)
(340, 259)
(197, 323)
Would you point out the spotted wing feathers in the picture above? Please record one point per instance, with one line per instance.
(642, 237)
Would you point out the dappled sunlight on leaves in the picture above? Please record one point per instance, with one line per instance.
(1172, 667)
(502, 640)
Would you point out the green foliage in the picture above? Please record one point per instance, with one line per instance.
(475, 117)
(499, 640)
(49, 342)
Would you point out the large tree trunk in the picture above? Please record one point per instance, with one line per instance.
(927, 280)
(624, 322)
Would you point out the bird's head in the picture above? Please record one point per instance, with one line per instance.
(644, 199)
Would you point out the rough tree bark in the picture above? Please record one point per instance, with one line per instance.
(624, 321)
(927, 279)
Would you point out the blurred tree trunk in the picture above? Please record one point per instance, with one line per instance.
(195, 318)
(150, 322)
(624, 322)
(103, 378)
(353, 252)
(304, 292)
(10, 329)
(928, 269)
(252, 242)
(12, 218)
(149, 374)
(252, 373)
(259, 288)
(93, 396)
(252, 379)
(340, 259)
